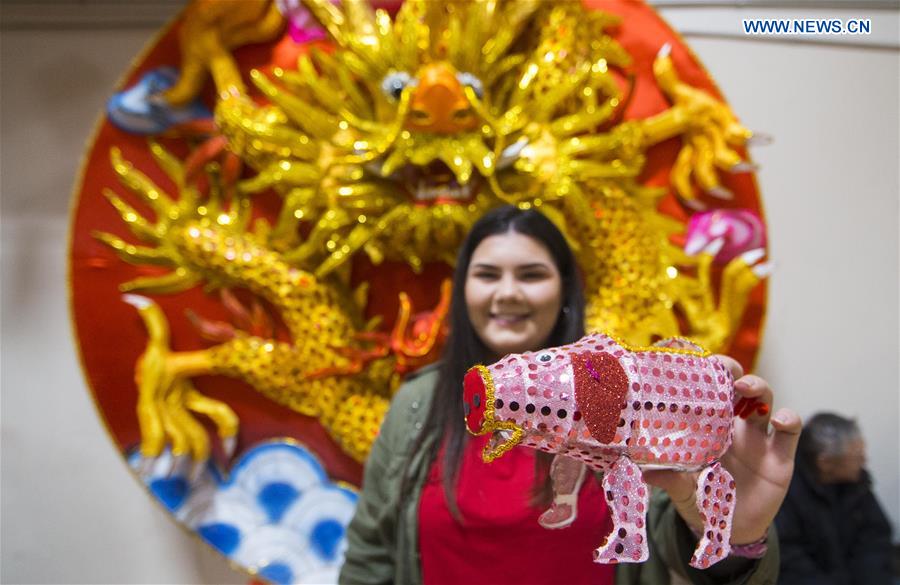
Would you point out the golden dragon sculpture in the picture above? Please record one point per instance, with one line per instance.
(391, 146)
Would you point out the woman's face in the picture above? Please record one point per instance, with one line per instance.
(513, 293)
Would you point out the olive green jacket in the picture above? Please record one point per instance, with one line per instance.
(383, 535)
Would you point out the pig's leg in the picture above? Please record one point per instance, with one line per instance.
(627, 496)
(715, 500)
(567, 475)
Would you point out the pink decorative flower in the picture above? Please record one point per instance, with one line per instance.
(740, 230)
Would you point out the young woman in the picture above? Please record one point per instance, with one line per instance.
(432, 512)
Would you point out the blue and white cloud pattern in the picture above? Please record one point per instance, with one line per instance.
(278, 514)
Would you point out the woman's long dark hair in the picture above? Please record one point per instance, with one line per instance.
(464, 349)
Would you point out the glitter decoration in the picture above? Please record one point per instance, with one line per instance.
(386, 148)
(605, 384)
(664, 407)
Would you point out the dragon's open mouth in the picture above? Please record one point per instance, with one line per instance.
(436, 182)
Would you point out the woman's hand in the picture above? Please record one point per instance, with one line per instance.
(760, 462)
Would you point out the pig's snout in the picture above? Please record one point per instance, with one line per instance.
(478, 407)
(475, 391)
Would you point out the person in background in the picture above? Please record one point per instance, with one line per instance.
(831, 528)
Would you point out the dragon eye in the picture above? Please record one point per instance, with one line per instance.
(545, 357)
(395, 82)
(470, 80)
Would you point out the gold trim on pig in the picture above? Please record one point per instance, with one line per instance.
(490, 424)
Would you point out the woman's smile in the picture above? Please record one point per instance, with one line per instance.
(513, 293)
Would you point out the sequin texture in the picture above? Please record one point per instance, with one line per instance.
(666, 407)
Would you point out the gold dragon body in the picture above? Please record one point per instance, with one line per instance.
(392, 146)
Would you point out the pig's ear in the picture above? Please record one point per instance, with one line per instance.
(600, 388)
(475, 398)
(680, 343)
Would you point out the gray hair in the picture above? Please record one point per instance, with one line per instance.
(826, 434)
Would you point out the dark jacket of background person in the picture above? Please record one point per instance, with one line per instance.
(833, 533)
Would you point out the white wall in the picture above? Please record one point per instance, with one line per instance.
(72, 513)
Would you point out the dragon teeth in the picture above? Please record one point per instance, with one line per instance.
(425, 193)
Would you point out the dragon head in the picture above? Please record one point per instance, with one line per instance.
(416, 124)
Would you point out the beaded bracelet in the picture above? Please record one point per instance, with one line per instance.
(752, 550)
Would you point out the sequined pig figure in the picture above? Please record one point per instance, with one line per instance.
(615, 409)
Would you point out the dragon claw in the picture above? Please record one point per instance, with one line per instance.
(229, 444)
(145, 466)
(720, 192)
(137, 301)
(196, 471)
(664, 51)
(714, 247)
(751, 257)
(174, 463)
(759, 139)
(744, 167)
(695, 204)
(763, 270)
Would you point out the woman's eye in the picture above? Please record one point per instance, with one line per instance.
(533, 276)
(485, 275)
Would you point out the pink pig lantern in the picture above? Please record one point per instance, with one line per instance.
(597, 403)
